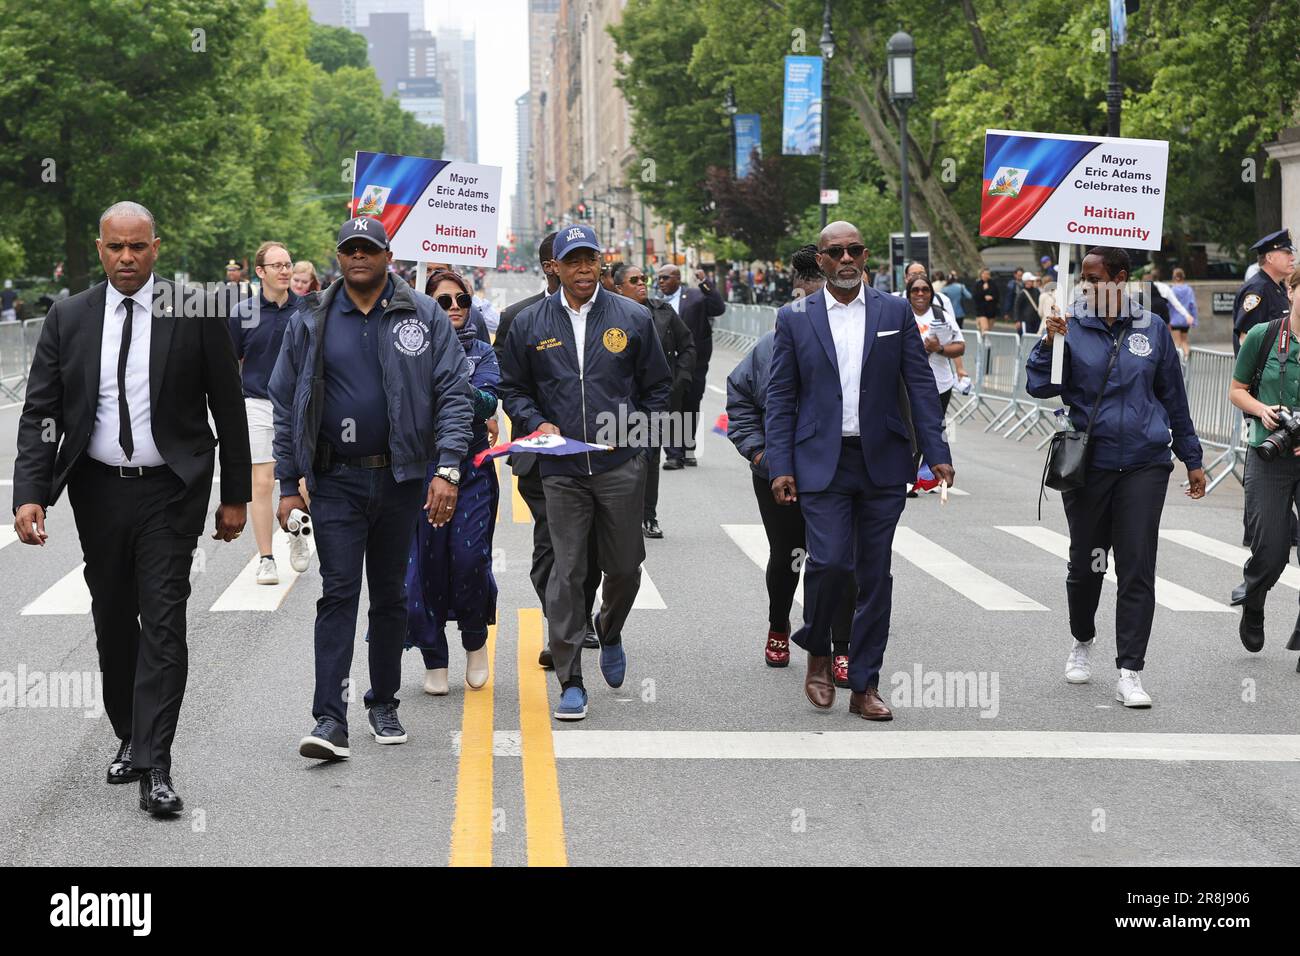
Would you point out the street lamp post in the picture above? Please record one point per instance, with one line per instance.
(729, 105)
(901, 54)
(827, 44)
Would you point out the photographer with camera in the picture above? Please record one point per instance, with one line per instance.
(1266, 387)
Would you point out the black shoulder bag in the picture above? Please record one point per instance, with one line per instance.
(1066, 467)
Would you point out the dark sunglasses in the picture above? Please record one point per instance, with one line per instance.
(462, 299)
(837, 252)
(635, 280)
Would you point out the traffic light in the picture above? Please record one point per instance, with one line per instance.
(582, 210)
(550, 223)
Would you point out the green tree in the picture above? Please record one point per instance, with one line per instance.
(334, 47)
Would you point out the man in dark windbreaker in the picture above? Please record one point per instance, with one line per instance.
(573, 363)
(369, 388)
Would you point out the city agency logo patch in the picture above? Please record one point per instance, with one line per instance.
(1139, 345)
(1008, 181)
(373, 200)
(615, 340)
(411, 337)
(1249, 302)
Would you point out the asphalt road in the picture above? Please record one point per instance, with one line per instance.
(705, 755)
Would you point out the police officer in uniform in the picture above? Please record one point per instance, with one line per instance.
(1263, 297)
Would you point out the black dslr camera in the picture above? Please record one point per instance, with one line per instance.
(1284, 438)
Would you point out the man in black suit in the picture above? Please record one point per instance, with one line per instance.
(117, 410)
(698, 308)
(530, 477)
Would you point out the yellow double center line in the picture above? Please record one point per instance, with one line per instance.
(471, 834)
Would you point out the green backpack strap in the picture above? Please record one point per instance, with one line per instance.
(1261, 359)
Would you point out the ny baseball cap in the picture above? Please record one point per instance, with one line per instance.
(364, 227)
(575, 237)
(1045, 259)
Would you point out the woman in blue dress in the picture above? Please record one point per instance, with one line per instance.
(449, 576)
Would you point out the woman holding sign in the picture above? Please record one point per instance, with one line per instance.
(449, 576)
(1123, 383)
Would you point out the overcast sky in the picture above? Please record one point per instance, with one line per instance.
(501, 34)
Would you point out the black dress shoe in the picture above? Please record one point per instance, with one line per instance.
(120, 770)
(589, 639)
(157, 795)
(673, 464)
(545, 661)
(690, 462)
(651, 529)
(1252, 629)
(1294, 643)
(1239, 593)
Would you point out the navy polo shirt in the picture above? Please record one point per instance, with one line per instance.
(257, 341)
(355, 415)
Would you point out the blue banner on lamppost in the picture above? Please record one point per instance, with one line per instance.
(801, 114)
(749, 142)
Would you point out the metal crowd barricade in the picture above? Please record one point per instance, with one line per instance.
(1218, 423)
(13, 361)
(998, 372)
(742, 325)
(1039, 416)
(974, 353)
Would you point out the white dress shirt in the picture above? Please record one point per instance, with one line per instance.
(579, 319)
(675, 300)
(848, 330)
(105, 445)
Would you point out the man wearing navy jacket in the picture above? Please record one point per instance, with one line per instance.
(839, 445)
(572, 363)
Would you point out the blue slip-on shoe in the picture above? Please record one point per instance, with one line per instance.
(573, 704)
(613, 664)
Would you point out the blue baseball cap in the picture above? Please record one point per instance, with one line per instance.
(364, 227)
(573, 237)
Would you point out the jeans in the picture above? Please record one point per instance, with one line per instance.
(361, 515)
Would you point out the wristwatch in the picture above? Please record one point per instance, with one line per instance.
(449, 475)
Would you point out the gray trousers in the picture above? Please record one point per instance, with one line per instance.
(1271, 489)
(608, 505)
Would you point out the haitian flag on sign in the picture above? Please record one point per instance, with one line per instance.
(539, 443)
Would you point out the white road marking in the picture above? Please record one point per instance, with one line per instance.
(7, 537)
(1215, 548)
(648, 597)
(245, 594)
(68, 595)
(966, 579)
(714, 388)
(921, 745)
(1175, 597)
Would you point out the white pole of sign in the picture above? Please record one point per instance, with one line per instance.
(421, 269)
(1062, 300)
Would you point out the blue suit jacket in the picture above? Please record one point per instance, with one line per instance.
(805, 408)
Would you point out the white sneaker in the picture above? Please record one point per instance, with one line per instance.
(1129, 690)
(476, 668)
(266, 573)
(965, 385)
(1077, 668)
(435, 682)
(299, 552)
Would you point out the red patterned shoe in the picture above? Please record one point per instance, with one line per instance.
(840, 671)
(777, 652)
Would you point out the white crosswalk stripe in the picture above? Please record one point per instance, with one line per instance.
(941, 564)
(7, 537)
(966, 579)
(68, 595)
(1214, 548)
(1175, 597)
(245, 594)
(648, 597)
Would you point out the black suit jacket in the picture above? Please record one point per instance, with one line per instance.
(520, 464)
(192, 369)
(699, 307)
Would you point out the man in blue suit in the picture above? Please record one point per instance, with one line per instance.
(848, 462)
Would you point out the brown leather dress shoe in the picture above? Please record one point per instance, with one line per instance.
(869, 706)
(819, 685)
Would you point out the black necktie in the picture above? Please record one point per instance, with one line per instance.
(123, 412)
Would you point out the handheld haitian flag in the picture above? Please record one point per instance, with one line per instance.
(720, 426)
(539, 443)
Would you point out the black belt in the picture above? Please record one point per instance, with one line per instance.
(851, 441)
(129, 471)
(366, 461)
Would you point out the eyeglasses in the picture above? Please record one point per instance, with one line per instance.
(462, 299)
(921, 290)
(837, 252)
(278, 266)
(365, 248)
(635, 280)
